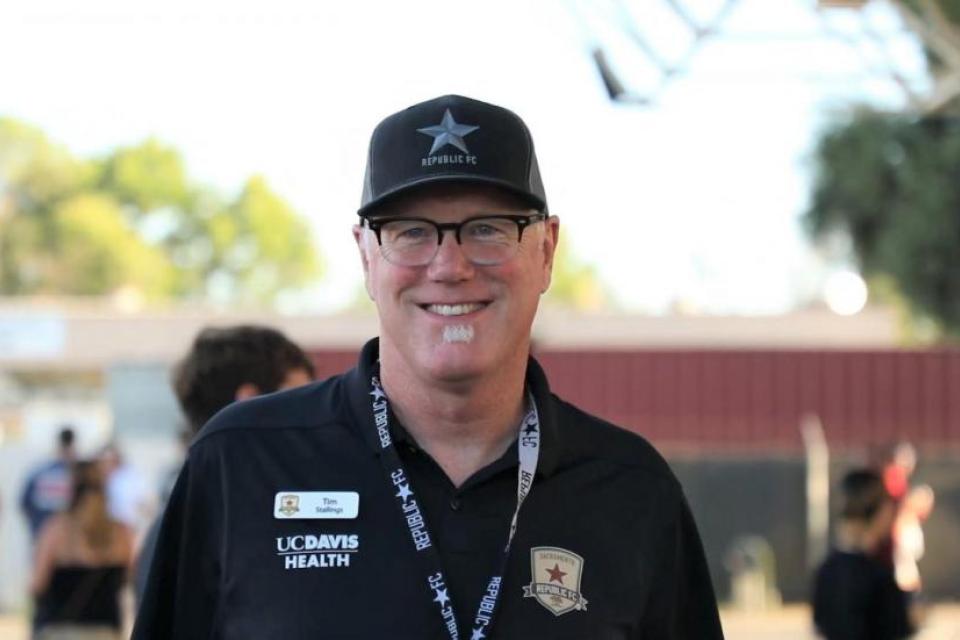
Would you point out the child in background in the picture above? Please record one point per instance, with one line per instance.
(855, 595)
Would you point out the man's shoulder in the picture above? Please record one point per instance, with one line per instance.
(589, 436)
(308, 407)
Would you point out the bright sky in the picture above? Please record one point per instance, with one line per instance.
(696, 198)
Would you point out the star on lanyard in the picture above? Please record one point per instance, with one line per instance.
(404, 493)
(442, 597)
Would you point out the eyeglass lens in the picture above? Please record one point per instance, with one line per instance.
(416, 242)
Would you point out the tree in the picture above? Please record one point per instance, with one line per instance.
(890, 183)
(936, 23)
(574, 284)
(134, 219)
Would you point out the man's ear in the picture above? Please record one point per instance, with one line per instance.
(551, 237)
(359, 236)
(245, 391)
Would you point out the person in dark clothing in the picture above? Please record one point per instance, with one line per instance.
(439, 489)
(224, 365)
(855, 595)
(47, 489)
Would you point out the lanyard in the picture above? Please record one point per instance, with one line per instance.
(528, 446)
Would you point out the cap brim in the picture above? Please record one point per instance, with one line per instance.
(451, 178)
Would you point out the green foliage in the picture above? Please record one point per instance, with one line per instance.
(97, 252)
(574, 284)
(263, 242)
(35, 172)
(949, 8)
(134, 221)
(941, 17)
(147, 177)
(892, 184)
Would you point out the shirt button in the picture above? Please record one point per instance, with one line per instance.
(455, 504)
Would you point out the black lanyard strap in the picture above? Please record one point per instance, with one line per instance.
(528, 448)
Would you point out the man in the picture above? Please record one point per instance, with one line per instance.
(47, 488)
(855, 595)
(225, 365)
(437, 490)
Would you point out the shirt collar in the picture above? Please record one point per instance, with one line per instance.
(361, 405)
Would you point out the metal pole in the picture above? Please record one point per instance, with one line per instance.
(818, 489)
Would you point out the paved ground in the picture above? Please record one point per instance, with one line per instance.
(793, 623)
(789, 623)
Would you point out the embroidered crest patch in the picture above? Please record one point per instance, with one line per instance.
(555, 580)
(289, 505)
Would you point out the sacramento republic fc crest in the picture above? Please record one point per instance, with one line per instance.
(289, 504)
(555, 580)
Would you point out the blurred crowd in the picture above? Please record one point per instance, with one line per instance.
(92, 521)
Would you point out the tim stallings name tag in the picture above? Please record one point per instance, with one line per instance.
(316, 505)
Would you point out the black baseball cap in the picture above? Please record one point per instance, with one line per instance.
(451, 139)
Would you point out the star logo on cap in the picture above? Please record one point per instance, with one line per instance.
(449, 131)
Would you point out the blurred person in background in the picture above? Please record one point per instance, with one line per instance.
(83, 559)
(225, 365)
(908, 545)
(896, 464)
(904, 545)
(855, 595)
(386, 502)
(129, 498)
(47, 488)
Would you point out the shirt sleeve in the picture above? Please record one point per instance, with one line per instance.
(183, 585)
(681, 605)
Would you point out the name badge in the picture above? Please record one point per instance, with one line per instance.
(316, 505)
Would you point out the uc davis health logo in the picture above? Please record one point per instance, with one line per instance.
(555, 580)
(317, 551)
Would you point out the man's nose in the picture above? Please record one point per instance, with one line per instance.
(450, 262)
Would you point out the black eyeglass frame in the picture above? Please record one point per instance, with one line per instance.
(522, 222)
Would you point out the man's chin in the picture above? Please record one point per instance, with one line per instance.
(457, 361)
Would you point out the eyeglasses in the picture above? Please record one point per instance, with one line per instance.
(488, 239)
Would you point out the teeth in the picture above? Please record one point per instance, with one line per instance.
(453, 309)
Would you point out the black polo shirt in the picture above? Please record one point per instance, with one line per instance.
(605, 548)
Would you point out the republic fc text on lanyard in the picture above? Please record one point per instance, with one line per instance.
(528, 447)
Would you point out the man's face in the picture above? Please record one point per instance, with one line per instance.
(452, 320)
